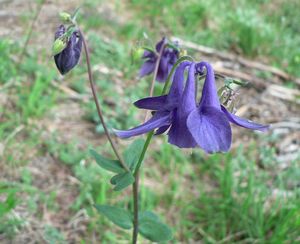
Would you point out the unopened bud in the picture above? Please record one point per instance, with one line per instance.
(137, 53)
(58, 46)
(65, 17)
(182, 52)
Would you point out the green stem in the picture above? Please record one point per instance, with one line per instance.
(135, 185)
(135, 190)
(141, 158)
(146, 145)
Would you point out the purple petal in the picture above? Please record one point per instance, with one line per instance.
(188, 102)
(174, 55)
(179, 134)
(147, 68)
(176, 88)
(148, 55)
(158, 120)
(159, 45)
(60, 31)
(162, 73)
(77, 46)
(169, 58)
(209, 92)
(162, 130)
(210, 129)
(151, 103)
(243, 122)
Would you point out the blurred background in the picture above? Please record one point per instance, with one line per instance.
(48, 181)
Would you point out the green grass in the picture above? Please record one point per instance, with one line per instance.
(239, 197)
(244, 206)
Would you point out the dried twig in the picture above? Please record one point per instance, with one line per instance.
(285, 93)
(234, 58)
(38, 11)
(240, 75)
(71, 93)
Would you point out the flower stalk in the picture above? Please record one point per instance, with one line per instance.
(135, 185)
(99, 110)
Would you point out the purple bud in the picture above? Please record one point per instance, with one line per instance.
(69, 57)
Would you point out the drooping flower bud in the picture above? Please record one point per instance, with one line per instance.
(69, 56)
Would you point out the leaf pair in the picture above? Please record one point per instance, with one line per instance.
(131, 156)
(150, 226)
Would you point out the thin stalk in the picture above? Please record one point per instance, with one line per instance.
(135, 185)
(135, 190)
(99, 110)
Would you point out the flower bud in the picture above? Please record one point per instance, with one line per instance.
(137, 53)
(182, 52)
(65, 17)
(68, 57)
(58, 46)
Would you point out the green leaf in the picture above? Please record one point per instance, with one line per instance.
(133, 152)
(118, 216)
(74, 15)
(148, 215)
(153, 229)
(122, 180)
(115, 179)
(108, 164)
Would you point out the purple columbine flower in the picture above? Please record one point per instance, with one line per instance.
(209, 122)
(169, 112)
(205, 125)
(69, 57)
(168, 59)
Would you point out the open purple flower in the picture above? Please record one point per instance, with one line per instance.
(169, 111)
(168, 59)
(205, 125)
(69, 57)
(209, 122)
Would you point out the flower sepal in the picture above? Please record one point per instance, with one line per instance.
(58, 46)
